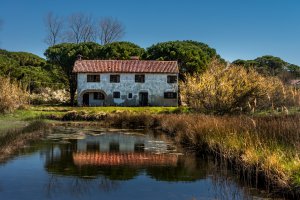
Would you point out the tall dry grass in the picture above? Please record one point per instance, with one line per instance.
(12, 95)
(232, 89)
(260, 146)
(269, 146)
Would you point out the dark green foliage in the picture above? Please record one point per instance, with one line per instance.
(30, 70)
(65, 55)
(192, 56)
(121, 51)
(270, 65)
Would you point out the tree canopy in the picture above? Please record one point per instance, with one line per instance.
(30, 70)
(121, 51)
(192, 56)
(272, 66)
(65, 55)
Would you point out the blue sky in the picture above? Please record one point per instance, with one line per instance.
(242, 29)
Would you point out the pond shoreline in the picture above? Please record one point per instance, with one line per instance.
(16, 139)
(260, 148)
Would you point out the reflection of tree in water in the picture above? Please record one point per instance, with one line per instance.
(79, 187)
(226, 183)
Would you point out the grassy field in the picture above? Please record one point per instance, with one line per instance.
(21, 118)
(39, 111)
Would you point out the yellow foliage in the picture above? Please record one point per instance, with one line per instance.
(233, 88)
(12, 96)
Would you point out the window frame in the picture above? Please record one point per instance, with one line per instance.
(101, 96)
(137, 76)
(167, 95)
(130, 95)
(112, 76)
(93, 80)
(118, 94)
(172, 79)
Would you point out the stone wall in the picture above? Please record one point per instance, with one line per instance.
(155, 85)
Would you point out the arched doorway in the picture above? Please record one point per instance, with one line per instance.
(92, 98)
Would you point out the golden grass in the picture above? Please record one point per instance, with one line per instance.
(12, 96)
(232, 89)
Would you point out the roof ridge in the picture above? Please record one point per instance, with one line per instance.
(125, 66)
(131, 60)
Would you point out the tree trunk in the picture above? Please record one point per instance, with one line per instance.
(72, 87)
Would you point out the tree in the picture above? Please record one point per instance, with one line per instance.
(54, 26)
(81, 29)
(111, 30)
(31, 70)
(192, 56)
(121, 51)
(272, 66)
(65, 55)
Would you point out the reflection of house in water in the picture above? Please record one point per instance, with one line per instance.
(119, 157)
(120, 149)
(121, 143)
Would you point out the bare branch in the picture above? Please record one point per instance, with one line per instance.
(111, 30)
(54, 26)
(81, 29)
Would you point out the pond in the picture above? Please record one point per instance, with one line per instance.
(95, 163)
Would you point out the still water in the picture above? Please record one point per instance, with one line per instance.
(92, 163)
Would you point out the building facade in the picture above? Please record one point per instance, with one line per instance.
(126, 83)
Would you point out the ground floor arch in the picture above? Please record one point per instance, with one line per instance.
(92, 98)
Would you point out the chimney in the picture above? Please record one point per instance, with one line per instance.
(79, 57)
(134, 58)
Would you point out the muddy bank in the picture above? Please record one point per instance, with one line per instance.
(15, 140)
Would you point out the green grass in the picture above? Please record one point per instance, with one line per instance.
(20, 118)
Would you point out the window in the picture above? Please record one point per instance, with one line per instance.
(115, 78)
(93, 78)
(172, 79)
(116, 95)
(130, 96)
(92, 146)
(98, 96)
(114, 147)
(140, 78)
(170, 95)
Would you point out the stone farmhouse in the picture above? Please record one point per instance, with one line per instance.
(126, 82)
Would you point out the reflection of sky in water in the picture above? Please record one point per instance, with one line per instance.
(50, 172)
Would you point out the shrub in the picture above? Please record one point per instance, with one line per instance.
(12, 95)
(233, 89)
(49, 96)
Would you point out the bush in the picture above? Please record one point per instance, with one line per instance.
(232, 89)
(12, 95)
(49, 96)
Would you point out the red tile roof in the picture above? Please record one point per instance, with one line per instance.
(125, 66)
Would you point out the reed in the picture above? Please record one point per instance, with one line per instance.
(12, 95)
(14, 140)
(260, 146)
(236, 89)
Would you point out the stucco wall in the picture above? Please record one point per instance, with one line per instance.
(155, 85)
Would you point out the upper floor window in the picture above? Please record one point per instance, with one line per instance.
(170, 95)
(140, 78)
(93, 78)
(172, 79)
(116, 95)
(98, 96)
(115, 78)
